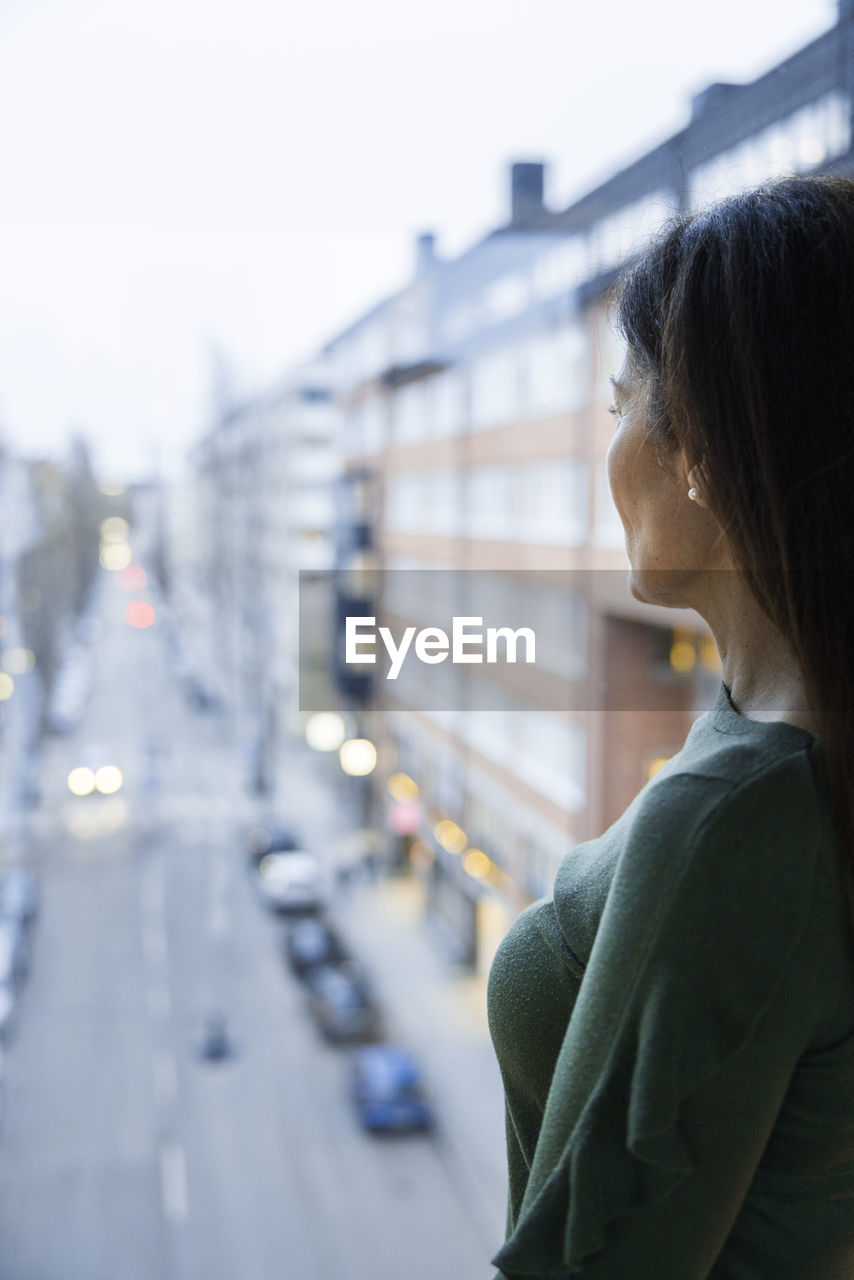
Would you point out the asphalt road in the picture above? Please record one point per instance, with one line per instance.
(124, 1155)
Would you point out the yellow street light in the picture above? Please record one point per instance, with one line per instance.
(476, 863)
(451, 837)
(402, 788)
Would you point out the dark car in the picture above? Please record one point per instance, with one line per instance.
(342, 1004)
(313, 942)
(198, 694)
(388, 1091)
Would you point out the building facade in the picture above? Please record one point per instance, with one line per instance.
(475, 414)
(260, 493)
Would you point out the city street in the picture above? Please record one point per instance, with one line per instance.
(124, 1154)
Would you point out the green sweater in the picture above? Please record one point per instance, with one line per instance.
(675, 1030)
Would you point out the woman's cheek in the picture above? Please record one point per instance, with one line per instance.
(613, 470)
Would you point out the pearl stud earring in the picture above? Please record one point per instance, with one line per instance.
(692, 494)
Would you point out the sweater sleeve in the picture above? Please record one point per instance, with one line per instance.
(698, 999)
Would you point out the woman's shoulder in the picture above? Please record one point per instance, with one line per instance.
(732, 786)
(733, 834)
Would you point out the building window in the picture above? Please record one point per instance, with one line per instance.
(623, 234)
(561, 268)
(552, 501)
(410, 414)
(558, 374)
(558, 615)
(449, 403)
(506, 297)
(551, 756)
(489, 501)
(496, 388)
(794, 144)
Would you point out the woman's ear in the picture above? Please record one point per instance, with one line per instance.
(697, 486)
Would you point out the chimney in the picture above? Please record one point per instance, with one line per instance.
(425, 253)
(526, 193)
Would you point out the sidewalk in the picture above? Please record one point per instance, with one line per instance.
(432, 1008)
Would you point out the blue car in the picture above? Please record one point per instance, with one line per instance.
(388, 1091)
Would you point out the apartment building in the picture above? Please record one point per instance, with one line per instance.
(474, 404)
(261, 491)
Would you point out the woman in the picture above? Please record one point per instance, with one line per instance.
(675, 1026)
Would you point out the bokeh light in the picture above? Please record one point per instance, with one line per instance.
(114, 529)
(108, 779)
(710, 659)
(133, 578)
(655, 765)
(7, 686)
(476, 864)
(18, 661)
(115, 555)
(683, 651)
(451, 837)
(405, 817)
(402, 788)
(140, 614)
(81, 781)
(358, 757)
(325, 731)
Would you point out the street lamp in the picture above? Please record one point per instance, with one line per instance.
(325, 731)
(358, 757)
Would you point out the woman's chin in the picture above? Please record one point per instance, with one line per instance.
(634, 582)
(658, 586)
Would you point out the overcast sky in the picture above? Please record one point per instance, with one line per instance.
(184, 177)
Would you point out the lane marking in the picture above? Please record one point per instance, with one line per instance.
(151, 890)
(154, 944)
(173, 1182)
(158, 998)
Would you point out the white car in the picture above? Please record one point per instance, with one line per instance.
(292, 882)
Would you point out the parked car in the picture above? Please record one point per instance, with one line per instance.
(18, 895)
(388, 1090)
(292, 882)
(312, 942)
(198, 694)
(272, 838)
(7, 1009)
(11, 973)
(14, 950)
(342, 1004)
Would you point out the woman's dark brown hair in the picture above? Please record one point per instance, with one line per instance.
(742, 316)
